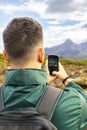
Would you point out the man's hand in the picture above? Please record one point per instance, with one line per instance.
(61, 74)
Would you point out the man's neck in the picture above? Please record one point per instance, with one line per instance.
(23, 66)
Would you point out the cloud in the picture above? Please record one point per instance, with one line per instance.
(65, 6)
(56, 35)
(56, 17)
(28, 6)
(60, 6)
(84, 26)
(53, 22)
(66, 10)
(58, 10)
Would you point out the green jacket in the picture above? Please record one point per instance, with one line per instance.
(24, 87)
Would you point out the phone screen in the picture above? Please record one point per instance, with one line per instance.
(53, 63)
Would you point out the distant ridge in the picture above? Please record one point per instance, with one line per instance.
(69, 49)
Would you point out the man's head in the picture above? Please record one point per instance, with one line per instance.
(23, 39)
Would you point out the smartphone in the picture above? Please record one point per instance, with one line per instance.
(53, 63)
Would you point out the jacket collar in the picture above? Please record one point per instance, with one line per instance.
(21, 77)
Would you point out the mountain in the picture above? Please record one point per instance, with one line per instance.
(69, 49)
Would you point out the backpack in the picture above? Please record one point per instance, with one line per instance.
(37, 118)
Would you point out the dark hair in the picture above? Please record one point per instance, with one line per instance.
(21, 36)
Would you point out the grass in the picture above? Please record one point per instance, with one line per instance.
(2, 60)
(73, 62)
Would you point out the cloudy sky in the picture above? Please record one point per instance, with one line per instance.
(61, 19)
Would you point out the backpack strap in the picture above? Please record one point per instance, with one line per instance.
(46, 105)
(48, 101)
(1, 99)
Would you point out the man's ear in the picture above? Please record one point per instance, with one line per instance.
(41, 55)
(5, 55)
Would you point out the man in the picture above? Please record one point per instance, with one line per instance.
(25, 82)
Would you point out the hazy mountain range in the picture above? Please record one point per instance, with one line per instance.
(69, 49)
